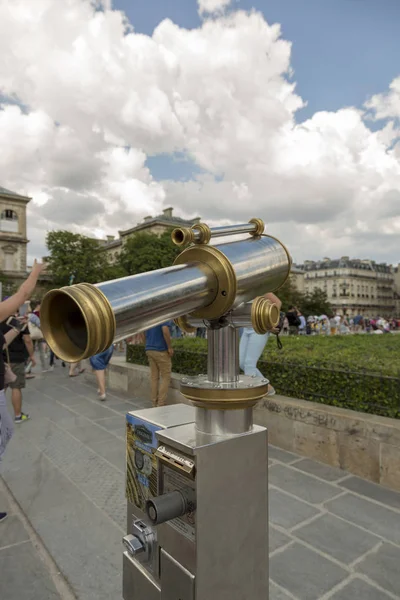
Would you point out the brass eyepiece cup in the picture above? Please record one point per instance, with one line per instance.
(181, 236)
(77, 322)
(264, 315)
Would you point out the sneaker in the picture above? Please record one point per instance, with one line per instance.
(3, 517)
(102, 397)
(23, 417)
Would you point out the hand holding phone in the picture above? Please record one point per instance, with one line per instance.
(15, 323)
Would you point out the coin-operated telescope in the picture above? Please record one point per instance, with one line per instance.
(197, 476)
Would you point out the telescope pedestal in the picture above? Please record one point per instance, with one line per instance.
(197, 482)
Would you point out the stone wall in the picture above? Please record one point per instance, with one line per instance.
(365, 445)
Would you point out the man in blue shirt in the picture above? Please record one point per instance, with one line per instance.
(159, 353)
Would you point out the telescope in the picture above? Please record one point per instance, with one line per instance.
(197, 472)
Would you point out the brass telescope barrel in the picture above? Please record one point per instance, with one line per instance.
(206, 281)
(260, 314)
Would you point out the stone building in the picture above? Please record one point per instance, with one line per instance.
(13, 240)
(353, 286)
(155, 225)
(396, 274)
(297, 277)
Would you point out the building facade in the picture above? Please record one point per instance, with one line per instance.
(297, 278)
(154, 225)
(396, 274)
(353, 286)
(13, 239)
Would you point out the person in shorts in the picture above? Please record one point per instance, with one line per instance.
(7, 308)
(20, 349)
(99, 363)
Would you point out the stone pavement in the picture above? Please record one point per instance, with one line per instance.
(332, 535)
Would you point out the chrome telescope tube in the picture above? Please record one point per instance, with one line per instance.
(206, 281)
(202, 233)
(82, 320)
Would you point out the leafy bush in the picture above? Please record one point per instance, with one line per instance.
(359, 372)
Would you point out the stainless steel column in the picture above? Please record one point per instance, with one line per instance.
(223, 355)
(223, 370)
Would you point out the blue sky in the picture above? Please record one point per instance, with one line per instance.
(343, 51)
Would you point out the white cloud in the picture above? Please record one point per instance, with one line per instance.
(212, 6)
(387, 105)
(101, 98)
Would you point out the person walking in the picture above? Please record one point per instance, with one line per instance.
(252, 345)
(8, 308)
(99, 363)
(159, 353)
(18, 351)
(294, 321)
(36, 334)
(75, 369)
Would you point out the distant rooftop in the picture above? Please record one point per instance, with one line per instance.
(166, 218)
(345, 262)
(9, 193)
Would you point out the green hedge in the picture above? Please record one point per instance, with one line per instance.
(357, 372)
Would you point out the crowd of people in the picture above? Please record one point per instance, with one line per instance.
(294, 323)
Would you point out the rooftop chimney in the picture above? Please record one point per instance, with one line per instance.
(167, 212)
(147, 219)
(110, 238)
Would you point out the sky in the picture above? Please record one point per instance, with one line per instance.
(280, 109)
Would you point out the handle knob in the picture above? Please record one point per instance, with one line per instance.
(166, 507)
(133, 545)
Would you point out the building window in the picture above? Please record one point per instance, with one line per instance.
(9, 221)
(8, 262)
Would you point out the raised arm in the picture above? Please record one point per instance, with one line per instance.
(11, 305)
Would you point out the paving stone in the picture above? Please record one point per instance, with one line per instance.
(83, 429)
(82, 539)
(124, 407)
(383, 567)
(276, 593)
(52, 410)
(335, 537)
(114, 452)
(93, 410)
(305, 573)
(320, 470)
(357, 589)
(12, 532)
(113, 423)
(372, 490)
(365, 513)
(286, 511)
(4, 503)
(277, 539)
(24, 576)
(281, 455)
(299, 484)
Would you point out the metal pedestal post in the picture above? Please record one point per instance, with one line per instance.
(210, 513)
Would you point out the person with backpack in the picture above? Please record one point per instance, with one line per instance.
(294, 320)
(252, 345)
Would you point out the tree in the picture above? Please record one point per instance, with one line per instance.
(75, 258)
(289, 295)
(315, 303)
(147, 252)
